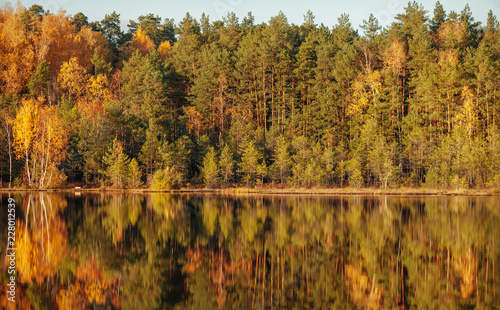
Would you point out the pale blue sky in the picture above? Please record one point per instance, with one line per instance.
(326, 12)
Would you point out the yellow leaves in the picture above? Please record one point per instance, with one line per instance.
(142, 42)
(374, 81)
(52, 38)
(59, 41)
(40, 140)
(90, 108)
(56, 41)
(99, 87)
(72, 298)
(395, 57)
(365, 91)
(194, 124)
(360, 99)
(24, 128)
(469, 115)
(164, 48)
(95, 283)
(73, 78)
(86, 42)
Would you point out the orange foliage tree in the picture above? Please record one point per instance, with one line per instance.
(17, 54)
(142, 42)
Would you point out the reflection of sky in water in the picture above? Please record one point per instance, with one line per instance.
(160, 251)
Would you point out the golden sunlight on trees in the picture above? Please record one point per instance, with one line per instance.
(366, 90)
(395, 57)
(17, 52)
(222, 84)
(72, 78)
(468, 117)
(40, 141)
(164, 48)
(142, 42)
(194, 121)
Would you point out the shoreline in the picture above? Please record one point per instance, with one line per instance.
(369, 191)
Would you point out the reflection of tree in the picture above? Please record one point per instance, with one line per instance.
(42, 241)
(167, 251)
(364, 292)
(120, 212)
(90, 286)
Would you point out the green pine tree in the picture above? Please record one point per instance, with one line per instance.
(250, 163)
(116, 163)
(226, 163)
(282, 159)
(134, 173)
(210, 169)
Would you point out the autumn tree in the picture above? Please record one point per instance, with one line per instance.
(40, 141)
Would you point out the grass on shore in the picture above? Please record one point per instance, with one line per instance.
(280, 190)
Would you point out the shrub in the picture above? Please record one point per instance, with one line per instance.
(166, 179)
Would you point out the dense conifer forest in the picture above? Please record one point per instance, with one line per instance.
(171, 103)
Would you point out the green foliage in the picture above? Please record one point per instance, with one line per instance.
(38, 84)
(355, 172)
(166, 179)
(149, 151)
(210, 169)
(322, 105)
(250, 166)
(176, 155)
(226, 163)
(100, 66)
(134, 173)
(282, 160)
(143, 88)
(117, 164)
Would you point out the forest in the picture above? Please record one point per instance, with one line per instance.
(167, 104)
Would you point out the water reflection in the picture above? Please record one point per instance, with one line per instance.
(153, 251)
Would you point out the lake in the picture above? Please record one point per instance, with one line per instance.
(157, 251)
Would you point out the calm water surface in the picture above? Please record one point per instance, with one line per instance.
(161, 251)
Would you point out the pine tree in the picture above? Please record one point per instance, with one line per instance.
(438, 18)
(38, 84)
(134, 174)
(370, 27)
(210, 169)
(282, 159)
(226, 163)
(250, 163)
(149, 150)
(143, 88)
(117, 164)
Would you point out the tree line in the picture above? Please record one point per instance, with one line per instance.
(216, 102)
